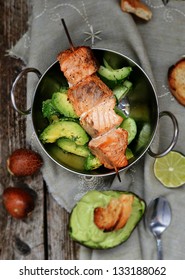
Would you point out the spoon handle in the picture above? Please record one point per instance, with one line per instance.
(159, 249)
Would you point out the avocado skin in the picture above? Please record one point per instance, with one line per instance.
(105, 245)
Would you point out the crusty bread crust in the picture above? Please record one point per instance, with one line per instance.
(106, 218)
(115, 215)
(136, 7)
(176, 80)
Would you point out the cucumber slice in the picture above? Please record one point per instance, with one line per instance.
(127, 84)
(121, 90)
(129, 154)
(114, 75)
(106, 64)
(130, 126)
(144, 136)
(120, 112)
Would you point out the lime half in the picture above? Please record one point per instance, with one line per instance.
(170, 169)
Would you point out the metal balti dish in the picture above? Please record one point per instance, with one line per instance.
(142, 100)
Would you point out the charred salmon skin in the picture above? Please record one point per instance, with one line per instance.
(88, 93)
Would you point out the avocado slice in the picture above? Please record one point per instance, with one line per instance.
(70, 146)
(61, 103)
(84, 230)
(64, 128)
(91, 162)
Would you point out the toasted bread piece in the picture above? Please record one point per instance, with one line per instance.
(126, 201)
(106, 218)
(136, 7)
(176, 80)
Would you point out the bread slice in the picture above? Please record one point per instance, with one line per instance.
(127, 201)
(115, 215)
(106, 218)
(136, 7)
(176, 80)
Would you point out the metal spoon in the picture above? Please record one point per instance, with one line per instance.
(158, 218)
(124, 106)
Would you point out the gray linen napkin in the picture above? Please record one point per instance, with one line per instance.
(154, 45)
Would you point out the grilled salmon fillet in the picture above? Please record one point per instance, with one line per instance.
(88, 93)
(110, 148)
(101, 118)
(94, 103)
(77, 64)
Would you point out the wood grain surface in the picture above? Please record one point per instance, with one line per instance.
(44, 234)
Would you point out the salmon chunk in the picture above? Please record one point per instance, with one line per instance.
(88, 93)
(110, 148)
(101, 118)
(94, 102)
(77, 64)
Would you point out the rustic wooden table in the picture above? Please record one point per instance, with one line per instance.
(43, 235)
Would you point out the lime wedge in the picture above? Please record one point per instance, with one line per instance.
(170, 169)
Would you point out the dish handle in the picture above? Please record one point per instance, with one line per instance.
(18, 78)
(174, 138)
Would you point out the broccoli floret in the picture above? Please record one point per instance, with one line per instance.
(63, 89)
(49, 111)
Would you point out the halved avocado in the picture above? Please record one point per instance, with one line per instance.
(84, 230)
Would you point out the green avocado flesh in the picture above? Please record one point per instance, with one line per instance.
(67, 129)
(84, 230)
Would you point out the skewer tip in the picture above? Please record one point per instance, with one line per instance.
(67, 33)
(118, 175)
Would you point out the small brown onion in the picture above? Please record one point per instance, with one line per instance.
(24, 162)
(19, 202)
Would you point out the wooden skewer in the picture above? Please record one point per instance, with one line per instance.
(117, 174)
(68, 36)
(73, 48)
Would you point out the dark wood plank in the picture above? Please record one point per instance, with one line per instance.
(44, 235)
(60, 245)
(18, 239)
